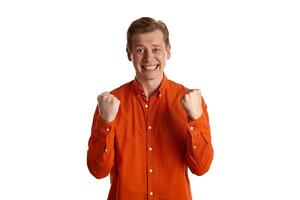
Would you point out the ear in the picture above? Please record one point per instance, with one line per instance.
(168, 52)
(129, 55)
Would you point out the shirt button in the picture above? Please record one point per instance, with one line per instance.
(149, 127)
(194, 147)
(150, 148)
(107, 129)
(146, 106)
(151, 193)
(159, 95)
(192, 128)
(150, 170)
(106, 150)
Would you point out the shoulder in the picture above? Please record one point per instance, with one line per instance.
(123, 90)
(176, 87)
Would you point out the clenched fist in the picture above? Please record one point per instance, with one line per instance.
(108, 106)
(191, 102)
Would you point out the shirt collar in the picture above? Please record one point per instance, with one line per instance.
(138, 89)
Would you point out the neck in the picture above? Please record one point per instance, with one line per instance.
(150, 86)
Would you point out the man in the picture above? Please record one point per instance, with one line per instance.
(147, 132)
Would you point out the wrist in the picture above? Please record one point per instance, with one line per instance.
(106, 119)
(195, 116)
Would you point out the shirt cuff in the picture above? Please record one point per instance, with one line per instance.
(103, 128)
(200, 122)
(198, 129)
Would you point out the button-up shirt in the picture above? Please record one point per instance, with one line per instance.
(150, 145)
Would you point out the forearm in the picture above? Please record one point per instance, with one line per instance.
(100, 155)
(199, 150)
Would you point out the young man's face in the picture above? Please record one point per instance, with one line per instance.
(149, 54)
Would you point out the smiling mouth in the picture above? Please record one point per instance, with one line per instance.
(150, 67)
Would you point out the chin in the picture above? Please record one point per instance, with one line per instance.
(152, 76)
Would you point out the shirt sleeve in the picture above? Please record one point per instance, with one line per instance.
(199, 151)
(100, 154)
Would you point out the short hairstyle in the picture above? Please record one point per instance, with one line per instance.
(145, 25)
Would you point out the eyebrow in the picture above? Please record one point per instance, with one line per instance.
(140, 45)
(156, 45)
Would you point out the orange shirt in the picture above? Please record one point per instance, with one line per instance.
(150, 145)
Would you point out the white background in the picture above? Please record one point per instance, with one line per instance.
(57, 56)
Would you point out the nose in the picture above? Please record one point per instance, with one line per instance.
(148, 56)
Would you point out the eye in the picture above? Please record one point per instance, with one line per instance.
(139, 50)
(156, 50)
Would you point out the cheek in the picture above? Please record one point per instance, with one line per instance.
(162, 58)
(137, 58)
(136, 63)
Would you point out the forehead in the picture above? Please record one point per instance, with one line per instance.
(150, 38)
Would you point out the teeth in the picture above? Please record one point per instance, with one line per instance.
(149, 67)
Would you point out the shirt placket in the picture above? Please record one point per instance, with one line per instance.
(150, 170)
